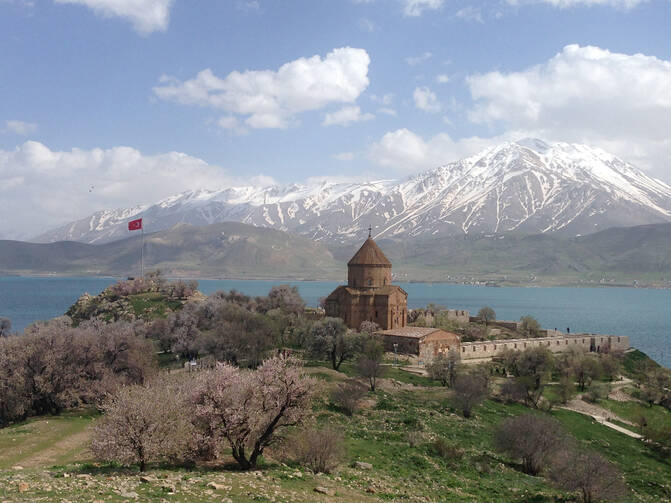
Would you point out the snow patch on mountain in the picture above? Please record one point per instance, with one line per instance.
(528, 186)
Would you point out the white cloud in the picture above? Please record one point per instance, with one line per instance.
(405, 151)
(442, 78)
(344, 156)
(470, 13)
(563, 4)
(42, 188)
(617, 101)
(415, 8)
(416, 60)
(232, 124)
(426, 100)
(346, 116)
(19, 127)
(271, 99)
(146, 16)
(387, 111)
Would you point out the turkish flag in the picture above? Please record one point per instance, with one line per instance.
(135, 225)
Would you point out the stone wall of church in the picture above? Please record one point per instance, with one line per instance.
(368, 276)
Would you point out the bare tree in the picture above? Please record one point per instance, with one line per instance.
(142, 424)
(531, 438)
(444, 368)
(589, 473)
(369, 365)
(487, 314)
(470, 390)
(248, 409)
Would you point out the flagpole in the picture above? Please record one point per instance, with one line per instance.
(142, 255)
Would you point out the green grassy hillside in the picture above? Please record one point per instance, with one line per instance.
(395, 433)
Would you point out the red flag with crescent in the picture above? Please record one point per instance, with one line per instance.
(135, 225)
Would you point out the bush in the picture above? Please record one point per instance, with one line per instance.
(444, 368)
(589, 474)
(414, 438)
(470, 390)
(320, 450)
(531, 438)
(348, 395)
(445, 450)
(596, 393)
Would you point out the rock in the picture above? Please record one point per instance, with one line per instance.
(298, 475)
(324, 490)
(83, 476)
(17, 467)
(363, 465)
(148, 479)
(219, 487)
(23, 487)
(168, 488)
(370, 490)
(130, 494)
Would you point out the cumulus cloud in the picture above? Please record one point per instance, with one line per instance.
(585, 94)
(442, 78)
(416, 60)
(406, 152)
(415, 8)
(146, 16)
(346, 116)
(426, 100)
(41, 188)
(387, 111)
(19, 127)
(563, 4)
(271, 99)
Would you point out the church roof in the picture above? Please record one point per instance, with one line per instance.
(369, 254)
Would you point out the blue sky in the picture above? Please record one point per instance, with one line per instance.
(112, 103)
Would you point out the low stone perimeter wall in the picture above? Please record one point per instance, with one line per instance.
(473, 352)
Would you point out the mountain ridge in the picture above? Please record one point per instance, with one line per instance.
(527, 186)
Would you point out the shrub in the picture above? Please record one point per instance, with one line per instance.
(596, 393)
(5, 326)
(588, 473)
(414, 438)
(446, 450)
(348, 395)
(529, 326)
(531, 438)
(320, 450)
(470, 390)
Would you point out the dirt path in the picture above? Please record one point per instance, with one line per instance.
(71, 447)
(600, 415)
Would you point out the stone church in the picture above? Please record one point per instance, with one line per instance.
(369, 294)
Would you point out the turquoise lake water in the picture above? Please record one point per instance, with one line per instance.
(643, 315)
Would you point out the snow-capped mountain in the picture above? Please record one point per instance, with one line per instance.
(527, 186)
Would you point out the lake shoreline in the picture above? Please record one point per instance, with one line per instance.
(489, 283)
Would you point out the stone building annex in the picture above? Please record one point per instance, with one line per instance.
(370, 296)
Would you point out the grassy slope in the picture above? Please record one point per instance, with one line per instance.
(378, 434)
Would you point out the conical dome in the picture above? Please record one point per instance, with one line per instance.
(369, 254)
